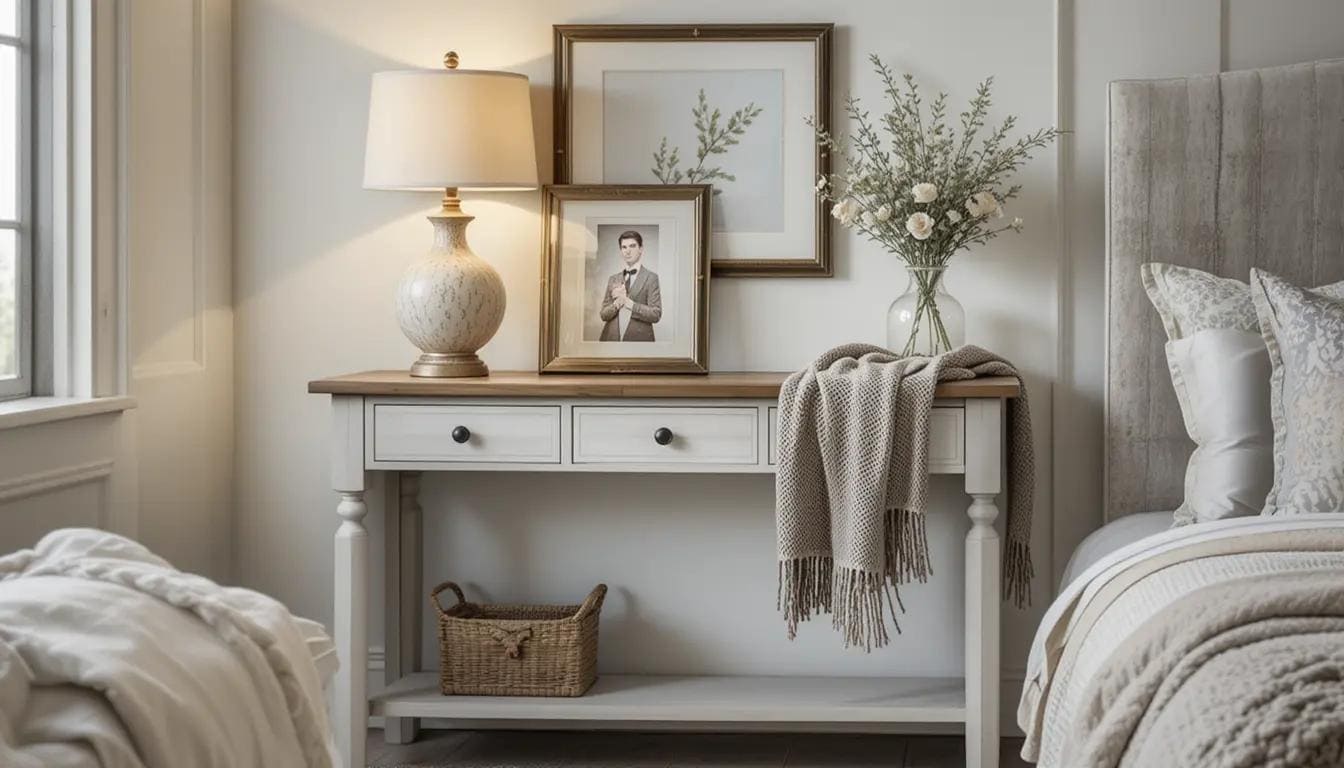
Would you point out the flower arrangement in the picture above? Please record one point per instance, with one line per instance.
(930, 189)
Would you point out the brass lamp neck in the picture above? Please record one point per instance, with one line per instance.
(452, 204)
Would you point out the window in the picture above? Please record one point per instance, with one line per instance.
(16, 262)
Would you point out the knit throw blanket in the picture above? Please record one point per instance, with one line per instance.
(852, 484)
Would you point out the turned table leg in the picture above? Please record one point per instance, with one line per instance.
(350, 702)
(405, 601)
(984, 456)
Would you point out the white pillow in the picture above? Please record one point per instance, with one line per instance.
(1224, 377)
(1192, 302)
(1304, 333)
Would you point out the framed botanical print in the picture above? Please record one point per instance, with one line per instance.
(625, 280)
(726, 105)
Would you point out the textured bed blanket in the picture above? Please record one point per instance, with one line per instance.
(1244, 673)
(852, 483)
(110, 657)
(1212, 645)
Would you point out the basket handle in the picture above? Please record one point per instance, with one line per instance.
(593, 603)
(434, 596)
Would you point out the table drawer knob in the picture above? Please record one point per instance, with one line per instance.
(461, 434)
(662, 435)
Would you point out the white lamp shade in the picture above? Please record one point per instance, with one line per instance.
(431, 129)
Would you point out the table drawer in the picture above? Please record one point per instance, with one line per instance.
(698, 435)
(947, 439)
(522, 434)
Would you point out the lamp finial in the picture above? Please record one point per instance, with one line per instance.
(450, 60)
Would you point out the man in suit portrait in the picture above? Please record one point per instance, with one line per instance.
(632, 302)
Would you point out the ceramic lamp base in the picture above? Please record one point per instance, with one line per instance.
(450, 302)
(432, 365)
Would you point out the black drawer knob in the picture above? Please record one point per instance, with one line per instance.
(461, 434)
(662, 435)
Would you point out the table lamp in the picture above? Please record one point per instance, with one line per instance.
(451, 129)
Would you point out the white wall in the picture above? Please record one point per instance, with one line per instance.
(691, 558)
(178, 137)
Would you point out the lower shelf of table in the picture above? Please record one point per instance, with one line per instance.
(698, 699)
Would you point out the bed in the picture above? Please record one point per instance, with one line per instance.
(1218, 642)
(112, 658)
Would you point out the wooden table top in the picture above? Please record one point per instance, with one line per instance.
(748, 385)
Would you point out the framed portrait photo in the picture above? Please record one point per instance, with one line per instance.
(625, 279)
(720, 104)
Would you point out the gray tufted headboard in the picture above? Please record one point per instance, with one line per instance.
(1223, 173)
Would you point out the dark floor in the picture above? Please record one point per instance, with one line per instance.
(542, 749)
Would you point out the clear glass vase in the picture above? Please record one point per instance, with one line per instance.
(925, 320)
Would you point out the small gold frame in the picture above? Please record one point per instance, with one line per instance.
(553, 199)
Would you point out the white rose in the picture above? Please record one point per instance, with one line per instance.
(868, 219)
(919, 225)
(883, 213)
(846, 211)
(821, 183)
(982, 204)
(953, 216)
(924, 193)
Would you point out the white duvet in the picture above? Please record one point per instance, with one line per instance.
(111, 658)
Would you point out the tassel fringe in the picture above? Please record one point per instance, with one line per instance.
(811, 585)
(1017, 573)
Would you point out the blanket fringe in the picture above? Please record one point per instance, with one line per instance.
(812, 585)
(907, 547)
(804, 589)
(1017, 573)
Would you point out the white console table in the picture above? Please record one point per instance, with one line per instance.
(724, 422)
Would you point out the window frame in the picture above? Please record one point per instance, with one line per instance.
(26, 146)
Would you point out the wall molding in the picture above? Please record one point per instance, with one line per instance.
(50, 480)
(1065, 386)
(196, 363)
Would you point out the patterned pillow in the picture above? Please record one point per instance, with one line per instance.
(1192, 300)
(1219, 368)
(1304, 333)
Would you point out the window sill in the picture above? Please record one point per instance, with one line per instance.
(28, 411)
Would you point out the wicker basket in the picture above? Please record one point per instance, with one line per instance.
(517, 650)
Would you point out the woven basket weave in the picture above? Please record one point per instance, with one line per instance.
(517, 650)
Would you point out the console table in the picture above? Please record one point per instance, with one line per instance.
(387, 421)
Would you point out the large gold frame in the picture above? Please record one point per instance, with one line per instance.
(553, 199)
(820, 34)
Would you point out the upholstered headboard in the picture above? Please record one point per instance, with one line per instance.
(1223, 173)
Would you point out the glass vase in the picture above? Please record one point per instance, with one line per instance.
(925, 320)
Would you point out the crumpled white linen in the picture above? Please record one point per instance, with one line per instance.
(110, 657)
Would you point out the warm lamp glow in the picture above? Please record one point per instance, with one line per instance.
(434, 129)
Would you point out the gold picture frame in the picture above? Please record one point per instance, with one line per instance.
(577, 269)
(816, 264)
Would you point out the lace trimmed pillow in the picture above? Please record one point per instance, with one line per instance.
(1220, 370)
(1304, 334)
